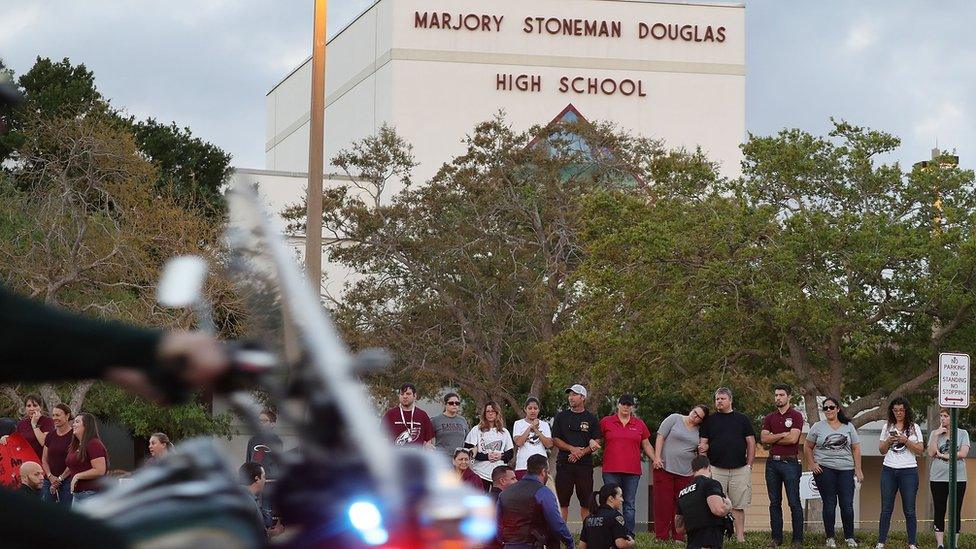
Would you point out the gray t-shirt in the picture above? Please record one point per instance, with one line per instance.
(939, 468)
(833, 448)
(449, 432)
(680, 445)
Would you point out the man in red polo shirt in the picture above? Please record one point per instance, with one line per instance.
(624, 437)
(781, 432)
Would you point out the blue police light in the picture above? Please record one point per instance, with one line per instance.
(478, 528)
(365, 516)
(377, 536)
(480, 525)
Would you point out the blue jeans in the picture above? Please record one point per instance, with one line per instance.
(837, 485)
(629, 485)
(780, 474)
(64, 493)
(906, 482)
(82, 496)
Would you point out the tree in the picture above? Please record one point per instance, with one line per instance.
(192, 170)
(469, 278)
(196, 170)
(86, 228)
(820, 266)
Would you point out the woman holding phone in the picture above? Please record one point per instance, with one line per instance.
(901, 443)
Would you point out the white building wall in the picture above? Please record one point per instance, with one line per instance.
(434, 85)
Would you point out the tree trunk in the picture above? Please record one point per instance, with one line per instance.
(78, 395)
(49, 396)
(812, 405)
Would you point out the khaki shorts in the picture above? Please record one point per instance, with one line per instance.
(736, 483)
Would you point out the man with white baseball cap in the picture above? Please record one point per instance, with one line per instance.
(575, 432)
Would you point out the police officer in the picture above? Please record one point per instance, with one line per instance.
(702, 507)
(528, 514)
(605, 528)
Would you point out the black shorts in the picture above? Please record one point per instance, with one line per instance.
(706, 537)
(570, 476)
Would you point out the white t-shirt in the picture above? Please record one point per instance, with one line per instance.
(899, 456)
(533, 445)
(488, 441)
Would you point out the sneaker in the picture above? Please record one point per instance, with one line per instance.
(851, 542)
(831, 542)
(879, 546)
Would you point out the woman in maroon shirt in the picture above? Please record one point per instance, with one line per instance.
(87, 459)
(55, 453)
(35, 425)
(462, 466)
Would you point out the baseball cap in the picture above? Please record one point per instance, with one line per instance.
(626, 399)
(578, 389)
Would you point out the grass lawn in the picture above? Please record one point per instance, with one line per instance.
(866, 539)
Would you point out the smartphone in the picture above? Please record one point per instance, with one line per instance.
(893, 433)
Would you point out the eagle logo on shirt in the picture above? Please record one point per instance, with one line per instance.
(585, 426)
(944, 447)
(835, 441)
(788, 422)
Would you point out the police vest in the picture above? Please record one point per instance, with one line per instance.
(693, 503)
(520, 518)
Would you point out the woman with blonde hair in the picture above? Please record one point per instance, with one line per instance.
(491, 443)
(159, 447)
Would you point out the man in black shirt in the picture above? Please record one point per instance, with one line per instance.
(31, 479)
(730, 443)
(575, 432)
(702, 507)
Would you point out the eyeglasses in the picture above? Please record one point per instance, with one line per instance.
(829, 407)
(453, 403)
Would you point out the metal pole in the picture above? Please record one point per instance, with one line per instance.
(951, 529)
(316, 153)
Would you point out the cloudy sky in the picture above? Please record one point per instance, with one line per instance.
(905, 67)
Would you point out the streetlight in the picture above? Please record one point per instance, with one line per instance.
(316, 146)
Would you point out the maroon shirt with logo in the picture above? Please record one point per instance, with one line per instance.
(94, 449)
(57, 450)
(44, 423)
(411, 427)
(777, 423)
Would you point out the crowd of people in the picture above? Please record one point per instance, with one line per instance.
(72, 462)
(701, 465)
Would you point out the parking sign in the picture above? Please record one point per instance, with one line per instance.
(954, 380)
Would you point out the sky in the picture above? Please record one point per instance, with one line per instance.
(908, 68)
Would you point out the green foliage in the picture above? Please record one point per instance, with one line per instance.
(88, 216)
(195, 169)
(819, 266)
(143, 418)
(468, 278)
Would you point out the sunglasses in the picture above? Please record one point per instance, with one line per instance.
(453, 403)
(828, 408)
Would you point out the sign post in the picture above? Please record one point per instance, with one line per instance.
(953, 394)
